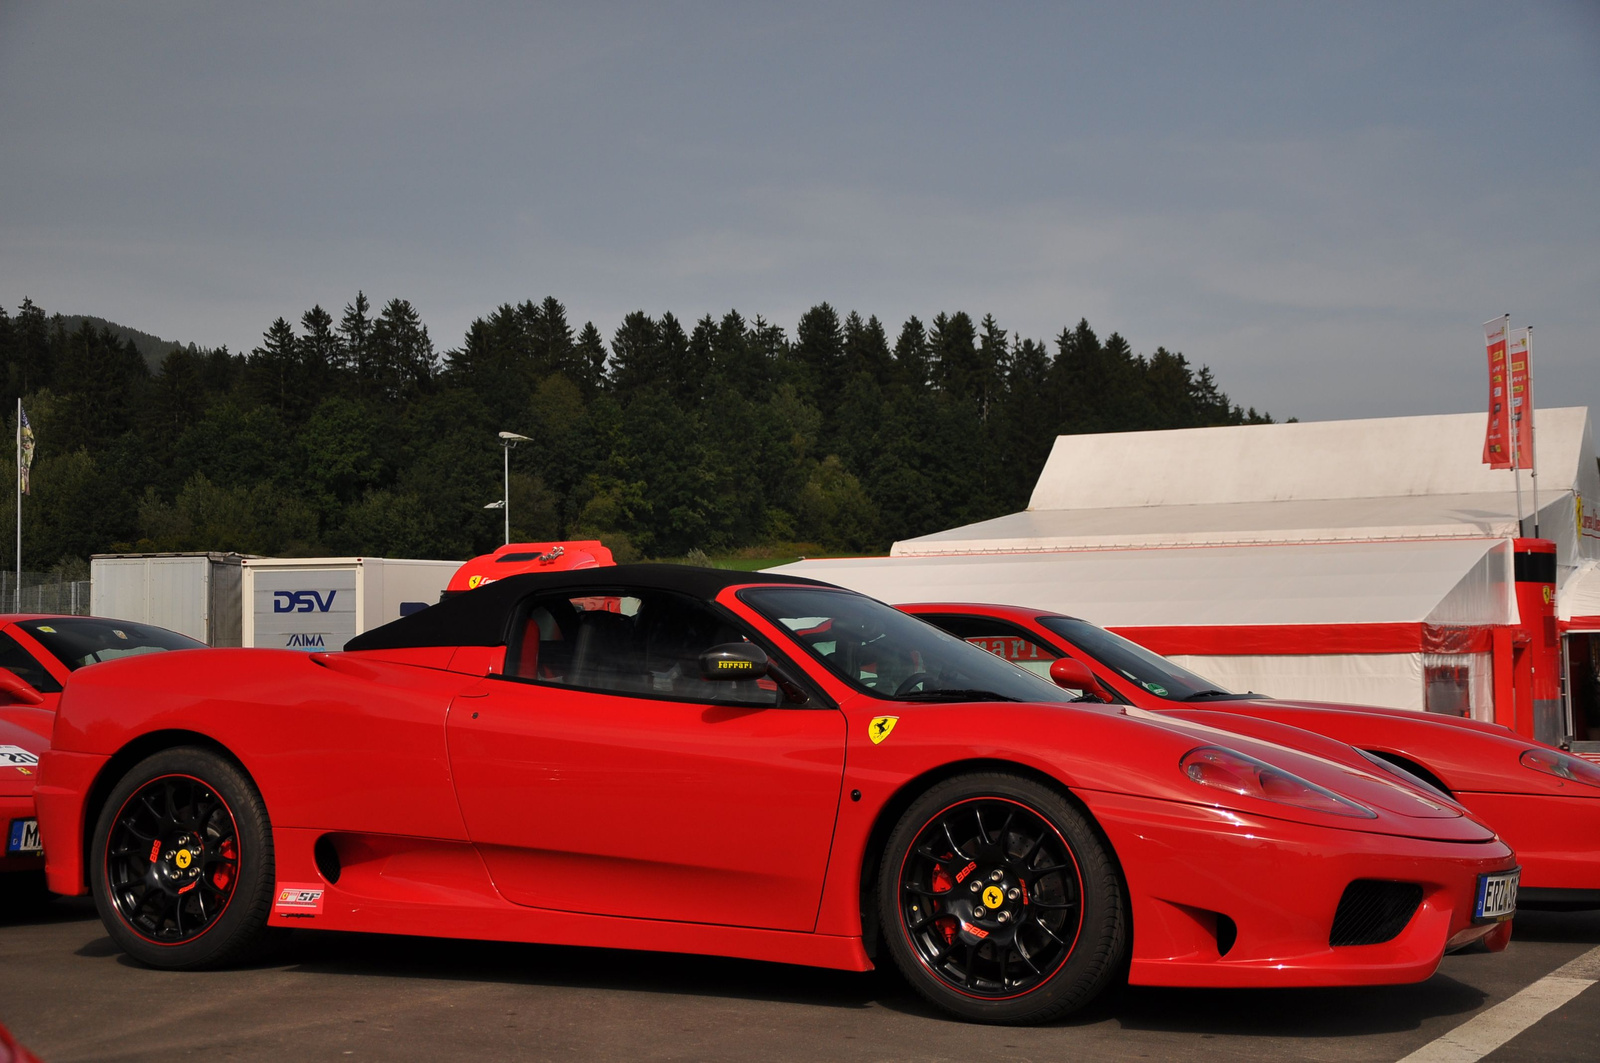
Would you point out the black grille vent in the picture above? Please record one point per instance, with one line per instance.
(1372, 911)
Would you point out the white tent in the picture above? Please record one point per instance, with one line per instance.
(1331, 481)
(1350, 540)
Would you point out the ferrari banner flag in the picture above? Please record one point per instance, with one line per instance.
(24, 449)
(1497, 440)
(1520, 370)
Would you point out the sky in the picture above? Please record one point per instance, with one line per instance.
(1322, 202)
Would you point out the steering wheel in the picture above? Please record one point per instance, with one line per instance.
(911, 681)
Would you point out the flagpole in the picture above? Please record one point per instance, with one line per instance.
(1533, 447)
(18, 589)
(1511, 401)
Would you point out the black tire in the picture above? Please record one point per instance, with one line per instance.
(184, 826)
(966, 926)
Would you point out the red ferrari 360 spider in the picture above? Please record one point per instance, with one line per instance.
(37, 653)
(670, 758)
(1543, 802)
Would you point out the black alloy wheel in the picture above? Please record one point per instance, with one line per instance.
(1000, 902)
(182, 861)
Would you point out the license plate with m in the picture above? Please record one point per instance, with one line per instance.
(24, 837)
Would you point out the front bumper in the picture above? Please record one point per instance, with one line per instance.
(65, 780)
(1228, 900)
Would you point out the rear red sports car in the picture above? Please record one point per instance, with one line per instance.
(662, 757)
(37, 654)
(1545, 803)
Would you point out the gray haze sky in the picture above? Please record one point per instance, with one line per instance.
(1322, 202)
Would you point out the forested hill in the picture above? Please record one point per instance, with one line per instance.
(153, 348)
(353, 435)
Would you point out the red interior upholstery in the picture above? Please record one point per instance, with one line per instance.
(528, 652)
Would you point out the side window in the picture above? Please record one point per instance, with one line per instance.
(645, 644)
(20, 663)
(1004, 640)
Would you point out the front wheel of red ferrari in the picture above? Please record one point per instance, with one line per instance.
(1000, 902)
(181, 862)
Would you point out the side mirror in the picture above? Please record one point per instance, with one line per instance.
(1070, 673)
(734, 660)
(16, 690)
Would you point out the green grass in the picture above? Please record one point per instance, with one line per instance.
(756, 558)
(750, 564)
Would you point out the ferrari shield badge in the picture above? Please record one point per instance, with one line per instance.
(880, 727)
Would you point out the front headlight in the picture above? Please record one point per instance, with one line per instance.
(1225, 769)
(1561, 765)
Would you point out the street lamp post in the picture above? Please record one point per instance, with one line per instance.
(507, 441)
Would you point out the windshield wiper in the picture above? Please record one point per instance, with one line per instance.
(1203, 695)
(957, 694)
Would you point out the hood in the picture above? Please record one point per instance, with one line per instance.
(1347, 771)
(1479, 726)
(1397, 795)
(1468, 756)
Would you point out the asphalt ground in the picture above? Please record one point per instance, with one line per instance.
(68, 994)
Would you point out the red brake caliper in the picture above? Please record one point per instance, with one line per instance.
(224, 874)
(943, 883)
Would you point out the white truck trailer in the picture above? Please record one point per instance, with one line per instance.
(196, 594)
(320, 603)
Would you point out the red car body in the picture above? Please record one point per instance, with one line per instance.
(31, 680)
(1552, 823)
(27, 712)
(415, 786)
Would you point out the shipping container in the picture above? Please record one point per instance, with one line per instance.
(196, 594)
(320, 603)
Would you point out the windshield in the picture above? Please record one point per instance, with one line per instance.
(883, 652)
(1147, 670)
(79, 640)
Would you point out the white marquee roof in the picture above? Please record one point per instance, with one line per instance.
(1342, 522)
(1336, 481)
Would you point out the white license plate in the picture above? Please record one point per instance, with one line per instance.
(1497, 895)
(24, 837)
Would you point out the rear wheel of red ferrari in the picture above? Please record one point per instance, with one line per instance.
(181, 862)
(1000, 902)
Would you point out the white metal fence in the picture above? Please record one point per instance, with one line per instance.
(43, 592)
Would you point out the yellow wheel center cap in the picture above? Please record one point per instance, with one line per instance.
(185, 858)
(993, 897)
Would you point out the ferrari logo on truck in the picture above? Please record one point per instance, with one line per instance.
(880, 727)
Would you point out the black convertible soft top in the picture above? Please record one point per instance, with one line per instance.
(482, 617)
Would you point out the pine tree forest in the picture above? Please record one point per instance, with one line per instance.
(350, 434)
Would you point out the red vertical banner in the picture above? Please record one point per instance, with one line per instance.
(1497, 439)
(1519, 368)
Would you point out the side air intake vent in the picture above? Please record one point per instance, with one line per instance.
(1373, 911)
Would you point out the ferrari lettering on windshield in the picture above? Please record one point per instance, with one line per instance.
(301, 602)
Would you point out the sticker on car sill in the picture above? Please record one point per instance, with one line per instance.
(298, 900)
